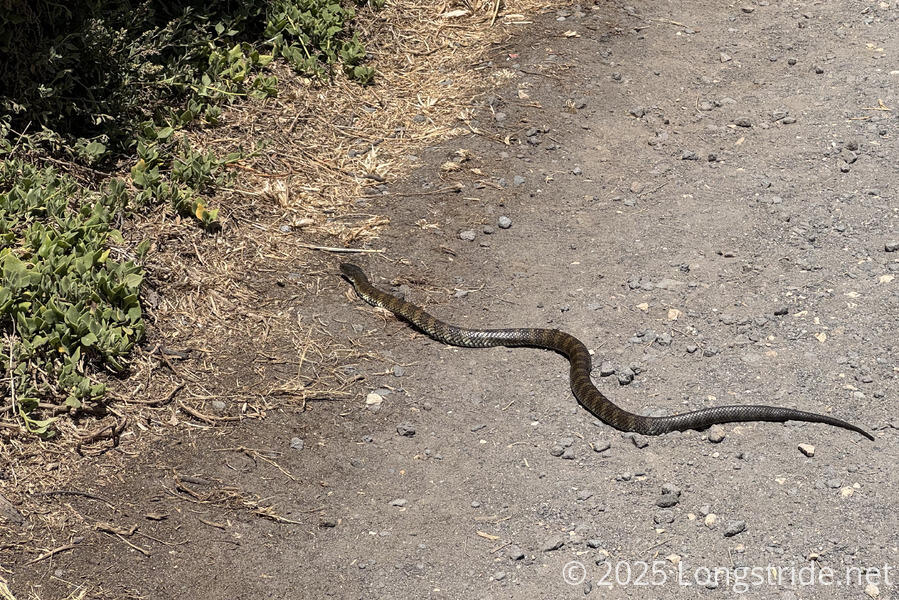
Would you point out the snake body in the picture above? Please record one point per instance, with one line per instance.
(581, 365)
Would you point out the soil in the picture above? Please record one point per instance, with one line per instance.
(705, 195)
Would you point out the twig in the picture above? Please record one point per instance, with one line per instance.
(160, 402)
(342, 250)
(204, 417)
(76, 493)
(495, 12)
(56, 551)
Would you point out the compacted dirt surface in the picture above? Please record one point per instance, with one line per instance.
(705, 194)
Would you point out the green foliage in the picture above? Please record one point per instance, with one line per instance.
(65, 302)
(86, 71)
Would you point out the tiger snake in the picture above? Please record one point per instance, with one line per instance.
(581, 365)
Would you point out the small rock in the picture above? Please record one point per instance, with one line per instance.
(716, 434)
(504, 222)
(734, 527)
(710, 351)
(663, 517)
(600, 445)
(625, 376)
(594, 543)
(670, 488)
(639, 441)
(689, 155)
(218, 407)
(568, 454)
(518, 180)
(807, 449)
(711, 520)
(781, 310)
(691, 348)
(398, 371)
(891, 246)
(405, 429)
(475, 504)
(606, 368)
(399, 502)
(468, 235)
(556, 450)
(584, 495)
(514, 552)
(743, 122)
(488, 230)
(499, 575)
(297, 443)
(553, 543)
(872, 590)
(667, 501)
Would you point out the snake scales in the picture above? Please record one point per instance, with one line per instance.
(581, 364)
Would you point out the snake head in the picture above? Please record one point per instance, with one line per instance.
(352, 272)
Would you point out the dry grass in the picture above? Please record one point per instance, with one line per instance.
(228, 315)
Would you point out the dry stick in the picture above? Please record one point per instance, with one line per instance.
(56, 551)
(344, 250)
(204, 417)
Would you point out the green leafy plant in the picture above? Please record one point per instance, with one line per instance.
(65, 302)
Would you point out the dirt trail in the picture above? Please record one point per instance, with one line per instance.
(705, 195)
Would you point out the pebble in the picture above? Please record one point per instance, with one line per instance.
(475, 504)
(398, 371)
(663, 517)
(781, 310)
(467, 235)
(399, 502)
(594, 543)
(584, 495)
(711, 520)
(514, 552)
(639, 441)
(807, 449)
(556, 451)
(625, 376)
(691, 348)
(553, 543)
(600, 445)
(297, 443)
(405, 429)
(710, 351)
(568, 454)
(518, 180)
(743, 122)
(499, 575)
(734, 527)
(606, 368)
(891, 246)
(667, 501)
(504, 222)
(689, 155)
(218, 407)
(670, 488)
(872, 590)
(716, 434)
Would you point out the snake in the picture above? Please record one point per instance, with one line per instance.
(581, 365)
